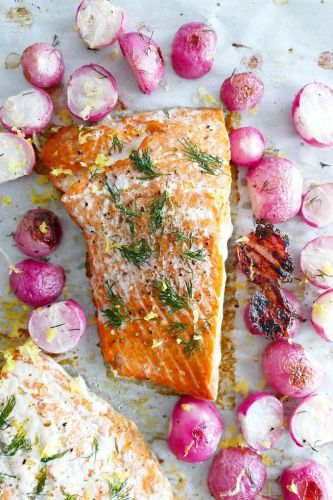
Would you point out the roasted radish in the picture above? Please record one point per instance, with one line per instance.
(322, 315)
(317, 205)
(317, 262)
(17, 157)
(247, 146)
(242, 91)
(42, 65)
(307, 481)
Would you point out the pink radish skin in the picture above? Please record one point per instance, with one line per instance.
(37, 283)
(17, 159)
(317, 205)
(71, 321)
(91, 92)
(242, 91)
(99, 23)
(311, 422)
(145, 59)
(275, 188)
(264, 408)
(193, 50)
(312, 112)
(30, 111)
(317, 262)
(322, 315)
(309, 481)
(247, 146)
(195, 429)
(236, 474)
(38, 233)
(291, 370)
(43, 65)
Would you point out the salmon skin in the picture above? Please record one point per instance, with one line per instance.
(156, 223)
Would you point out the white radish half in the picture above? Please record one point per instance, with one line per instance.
(261, 418)
(322, 315)
(311, 422)
(17, 157)
(91, 92)
(317, 205)
(30, 111)
(317, 262)
(58, 327)
(312, 113)
(99, 22)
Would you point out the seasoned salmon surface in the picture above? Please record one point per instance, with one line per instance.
(156, 225)
(59, 440)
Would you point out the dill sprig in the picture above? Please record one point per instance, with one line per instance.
(189, 251)
(157, 209)
(192, 345)
(322, 274)
(170, 297)
(208, 163)
(95, 447)
(176, 327)
(19, 442)
(137, 253)
(54, 457)
(41, 481)
(119, 491)
(116, 313)
(6, 411)
(144, 163)
(189, 289)
(116, 445)
(3, 476)
(68, 496)
(128, 212)
(117, 144)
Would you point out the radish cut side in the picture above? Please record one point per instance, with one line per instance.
(309, 480)
(317, 261)
(42, 65)
(17, 157)
(317, 205)
(322, 315)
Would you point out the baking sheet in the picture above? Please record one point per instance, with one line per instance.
(284, 43)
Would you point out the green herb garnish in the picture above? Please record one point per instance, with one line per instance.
(176, 327)
(95, 447)
(3, 476)
(207, 163)
(98, 71)
(169, 296)
(117, 144)
(6, 411)
(189, 251)
(157, 209)
(116, 445)
(54, 457)
(137, 253)
(119, 491)
(116, 313)
(192, 345)
(19, 442)
(128, 212)
(56, 41)
(189, 289)
(144, 164)
(41, 480)
(68, 496)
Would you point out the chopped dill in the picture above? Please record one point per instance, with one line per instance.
(116, 445)
(5, 413)
(210, 164)
(192, 345)
(116, 313)
(169, 296)
(137, 253)
(3, 476)
(189, 251)
(95, 447)
(19, 442)
(68, 496)
(54, 457)
(41, 480)
(56, 41)
(157, 209)
(265, 187)
(189, 289)
(97, 71)
(117, 144)
(94, 172)
(119, 491)
(176, 327)
(128, 212)
(312, 200)
(144, 163)
(322, 274)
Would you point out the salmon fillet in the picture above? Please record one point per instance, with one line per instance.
(156, 225)
(71, 441)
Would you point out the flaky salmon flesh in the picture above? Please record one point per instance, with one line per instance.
(151, 194)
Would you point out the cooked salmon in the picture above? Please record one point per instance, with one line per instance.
(156, 224)
(59, 440)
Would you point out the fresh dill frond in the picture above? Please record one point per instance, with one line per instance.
(192, 345)
(56, 41)
(19, 442)
(116, 313)
(157, 209)
(194, 254)
(93, 66)
(3, 476)
(116, 445)
(95, 447)
(137, 253)
(208, 163)
(117, 144)
(119, 490)
(68, 496)
(189, 251)
(144, 164)
(54, 457)
(170, 297)
(176, 327)
(6, 411)
(189, 289)
(41, 481)
(129, 213)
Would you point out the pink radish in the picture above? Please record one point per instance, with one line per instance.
(264, 408)
(317, 205)
(322, 315)
(236, 474)
(311, 422)
(145, 59)
(58, 327)
(30, 111)
(308, 481)
(195, 429)
(275, 188)
(42, 65)
(17, 157)
(247, 146)
(242, 91)
(317, 262)
(291, 370)
(312, 114)
(99, 22)
(91, 92)
(193, 50)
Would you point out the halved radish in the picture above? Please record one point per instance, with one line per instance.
(30, 111)
(311, 422)
(42, 65)
(91, 92)
(59, 327)
(322, 315)
(312, 113)
(317, 205)
(17, 157)
(317, 262)
(260, 417)
(307, 481)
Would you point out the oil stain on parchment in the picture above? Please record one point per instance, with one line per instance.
(21, 16)
(325, 60)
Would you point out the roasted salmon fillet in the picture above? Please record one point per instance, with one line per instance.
(58, 440)
(156, 225)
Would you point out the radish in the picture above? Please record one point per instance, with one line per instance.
(311, 422)
(309, 481)
(317, 262)
(242, 91)
(247, 146)
(30, 111)
(317, 205)
(42, 65)
(37, 283)
(275, 188)
(38, 233)
(291, 370)
(312, 114)
(99, 22)
(58, 327)
(193, 50)
(195, 429)
(17, 157)
(236, 474)
(322, 315)
(145, 59)
(91, 92)
(264, 408)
